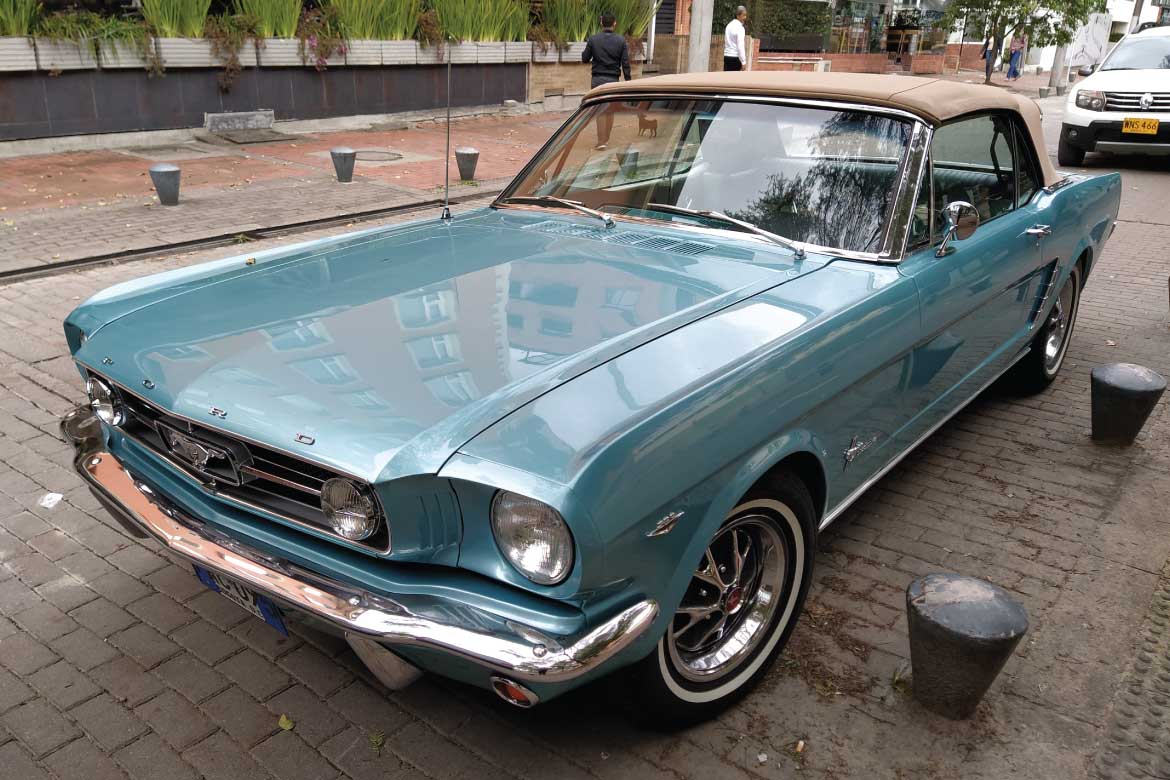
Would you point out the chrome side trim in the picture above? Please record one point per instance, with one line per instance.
(445, 624)
(856, 494)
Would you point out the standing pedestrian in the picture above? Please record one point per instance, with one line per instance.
(610, 57)
(1019, 43)
(734, 35)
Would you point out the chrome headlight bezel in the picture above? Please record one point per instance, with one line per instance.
(1090, 99)
(547, 554)
(350, 508)
(105, 401)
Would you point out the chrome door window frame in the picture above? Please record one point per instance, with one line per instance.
(908, 177)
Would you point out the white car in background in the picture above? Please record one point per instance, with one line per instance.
(1124, 106)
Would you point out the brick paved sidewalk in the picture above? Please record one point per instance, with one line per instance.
(69, 206)
(115, 662)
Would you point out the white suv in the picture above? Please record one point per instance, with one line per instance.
(1124, 106)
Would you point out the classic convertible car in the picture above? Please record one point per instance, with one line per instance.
(598, 425)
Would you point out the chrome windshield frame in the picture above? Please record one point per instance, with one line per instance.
(908, 181)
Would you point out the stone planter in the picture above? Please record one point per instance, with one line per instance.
(280, 53)
(64, 55)
(550, 53)
(490, 52)
(432, 55)
(399, 52)
(363, 53)
(185, 53)
(466, 53)
(573, 52)
(120, 55)
(17, 54)
(518, 51)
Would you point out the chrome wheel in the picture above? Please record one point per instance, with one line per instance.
(731, 600)
(1059, 326)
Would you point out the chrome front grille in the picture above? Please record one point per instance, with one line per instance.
(1132, 101)
(263, 479)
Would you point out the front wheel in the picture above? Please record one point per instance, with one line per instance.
(739, 608)
(1039, 367)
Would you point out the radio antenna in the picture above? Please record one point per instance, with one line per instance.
(447, 158)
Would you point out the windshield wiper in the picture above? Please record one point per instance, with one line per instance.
(549, 200)
(796, 248)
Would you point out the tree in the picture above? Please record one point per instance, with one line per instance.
(1045, 23)
(778, 19)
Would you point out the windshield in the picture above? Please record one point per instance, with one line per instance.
(1137, 53)
(819, 176)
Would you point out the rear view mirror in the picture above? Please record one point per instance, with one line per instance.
(961, 220)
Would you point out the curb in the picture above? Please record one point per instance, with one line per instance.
(226, 239)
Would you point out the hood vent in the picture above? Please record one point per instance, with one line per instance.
(626, 238)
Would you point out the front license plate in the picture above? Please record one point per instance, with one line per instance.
(1140, 126)
(244, 596)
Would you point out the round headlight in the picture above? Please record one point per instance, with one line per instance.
(350, 510)
(533, 537)
(104, 401)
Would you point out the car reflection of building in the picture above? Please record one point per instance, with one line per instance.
(433, 353)
(549, 318)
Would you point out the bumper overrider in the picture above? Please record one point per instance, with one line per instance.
(508, 651)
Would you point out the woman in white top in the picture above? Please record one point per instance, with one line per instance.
(734, 56)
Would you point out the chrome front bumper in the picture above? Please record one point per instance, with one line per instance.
(508, 648)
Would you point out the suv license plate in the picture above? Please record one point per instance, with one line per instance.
(1140, 126)
(242, 595)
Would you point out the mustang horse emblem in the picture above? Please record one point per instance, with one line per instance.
(192, 452)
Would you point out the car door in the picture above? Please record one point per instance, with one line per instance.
(978, 297)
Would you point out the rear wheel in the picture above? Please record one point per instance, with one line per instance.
(739, 608)
(1050, 345)
(1067, 154)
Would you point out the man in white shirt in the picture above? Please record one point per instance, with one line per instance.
(734, 56)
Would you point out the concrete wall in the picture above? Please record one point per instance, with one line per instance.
(38, 105)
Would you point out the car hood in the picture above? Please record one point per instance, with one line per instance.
(1153, 80)
(389, 349)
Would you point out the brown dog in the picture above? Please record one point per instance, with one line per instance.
(647, 125)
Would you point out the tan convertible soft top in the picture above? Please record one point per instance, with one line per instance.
(935, 100)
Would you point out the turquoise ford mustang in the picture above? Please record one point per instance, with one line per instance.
(597, 425)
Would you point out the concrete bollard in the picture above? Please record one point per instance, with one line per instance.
(1044, 91)
(343, 160)
(962, 632)
(165, 177)
(466, 158)
(1123, 396)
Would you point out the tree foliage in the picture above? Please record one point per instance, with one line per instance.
(780, 19)
(1045, 23)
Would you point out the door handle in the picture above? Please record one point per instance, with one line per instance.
(1040, 231)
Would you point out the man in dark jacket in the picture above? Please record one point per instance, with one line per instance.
(610, 57)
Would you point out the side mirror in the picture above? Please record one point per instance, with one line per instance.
(1087, 70)
(961, 220)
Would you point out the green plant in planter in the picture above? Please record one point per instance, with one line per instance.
(98, 34)
(633, 16)
(276, 18)
(485, 20)
(321, 35)
(566, 21)
(18, 17)
(227, 35)
(176, 18)
(377, 19)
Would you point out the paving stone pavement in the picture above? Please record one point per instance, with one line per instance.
(55, 208)
(116, 662)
